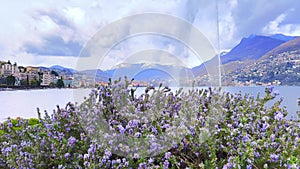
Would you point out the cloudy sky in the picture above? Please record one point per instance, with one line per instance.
(45, 33)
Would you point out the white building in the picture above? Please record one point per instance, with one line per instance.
(47, 79)
(8, 69)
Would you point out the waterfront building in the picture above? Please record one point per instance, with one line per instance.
(31, 69)
(47, 78)
(8, 69)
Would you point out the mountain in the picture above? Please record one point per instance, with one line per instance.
(59, 68)
(97, 74)
(289, 46)
(202, 69)
(167, 74)
(110, 72)
(247, 52)
(251, 48)
(283, 37)
(278, 66)
(42, 68)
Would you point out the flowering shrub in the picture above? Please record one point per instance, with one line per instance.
(225, 131)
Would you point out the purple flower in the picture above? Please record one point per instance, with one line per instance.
(270, 89)
(274, 157)
(86, 156)
(86, 163)
(107, 153)
(118, 161)
(142, 165)
(272, 137)
(150, 161)
(136, 156)
(154, 130)
(266, 144)
(167, 155)
(67, 155)
(9, 124)
(121, 129)
(253, 143)
(245, 138)
(133, 123)
(48, 126)
(165, 126)
(80, 156)
(265, 126)
(249, 161)
(166, 164)
(91, 150)
(72, 140)
(8, 149)
(279, 116)
(225, 166)
(256, 154)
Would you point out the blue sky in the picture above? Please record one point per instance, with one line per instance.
(45, 33)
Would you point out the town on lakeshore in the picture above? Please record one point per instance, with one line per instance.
(20, 77)
(12, 75)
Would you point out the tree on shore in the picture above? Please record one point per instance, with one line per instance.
(24, 82)
(54, 73)
(34, 82)
(10, 80)
(40, 78)
(52, 84)
(60, 83)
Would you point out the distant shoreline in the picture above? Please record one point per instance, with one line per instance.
(14, 88)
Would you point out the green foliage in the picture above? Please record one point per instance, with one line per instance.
(34, 82)
(10, 80)
(248, 135)
(24, 82)
(54, 73)
(52, 84)
(33, 121)
(60, 83)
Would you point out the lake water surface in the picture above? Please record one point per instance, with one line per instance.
(24, 103)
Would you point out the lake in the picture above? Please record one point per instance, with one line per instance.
(24, 103)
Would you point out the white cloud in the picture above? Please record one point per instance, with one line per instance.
(39, 21)
(227, 25)
(76, 14)
(276, 26)
(273, 26)
(34, 22)
(46, 24)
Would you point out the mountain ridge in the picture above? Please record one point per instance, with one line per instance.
(287, 46)
(250, 50)
(247, 51)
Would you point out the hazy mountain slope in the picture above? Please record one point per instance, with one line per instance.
(285, 47)
(279, 66)
(251, 48)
